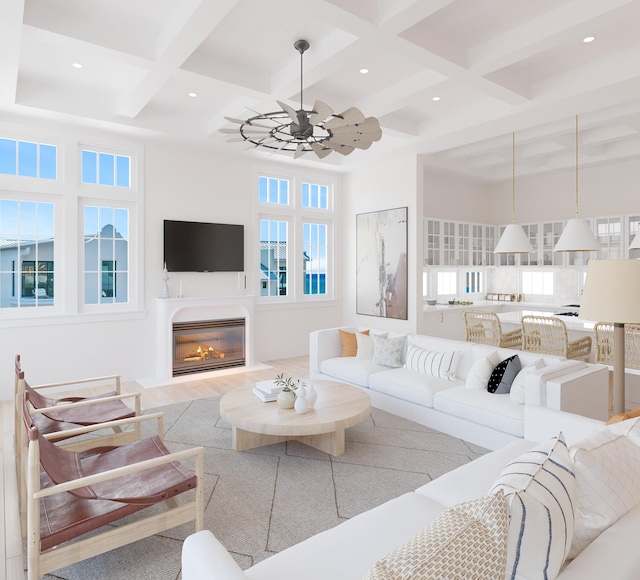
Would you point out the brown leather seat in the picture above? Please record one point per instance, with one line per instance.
(60, 510)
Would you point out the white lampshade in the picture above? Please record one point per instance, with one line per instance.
(513, 241)
(577, 236)
(611, 291)
(635, 244)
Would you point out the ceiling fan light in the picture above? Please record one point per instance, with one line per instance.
(577, 236)
(513, 241)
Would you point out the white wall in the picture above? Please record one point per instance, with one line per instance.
(378, 186)
(445, 194)
(181, 182)
(603, 191)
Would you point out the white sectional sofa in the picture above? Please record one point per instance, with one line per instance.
(487, 419)
(349, 550)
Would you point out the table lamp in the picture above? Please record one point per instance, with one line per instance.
(612, 294)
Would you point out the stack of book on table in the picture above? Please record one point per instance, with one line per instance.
(267, 391)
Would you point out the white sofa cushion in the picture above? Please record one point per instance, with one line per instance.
(480, 371)
(540, 488)
(409, 385)
(516, 394)
(351, 369)
(468, 540)
(437, 364)
(482, 407)
(607, 467)
(353, 546)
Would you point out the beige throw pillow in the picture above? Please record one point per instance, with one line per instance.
(465, 542)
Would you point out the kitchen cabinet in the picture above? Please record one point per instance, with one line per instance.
(453, 243)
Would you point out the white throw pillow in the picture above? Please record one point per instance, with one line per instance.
(466, 541)
(607, 467)
(388, 351)
(540, 490)
(516, 394)
(436, 364)
(481, 370)
(365, 345)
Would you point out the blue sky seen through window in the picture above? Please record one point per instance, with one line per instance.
(28, 159)
(105, 168)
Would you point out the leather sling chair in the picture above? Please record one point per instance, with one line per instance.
(71, 493)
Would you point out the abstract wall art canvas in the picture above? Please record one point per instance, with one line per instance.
(381, 269)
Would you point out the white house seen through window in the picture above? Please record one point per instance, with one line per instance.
(274, 235)
(26, 253)
(106, 255)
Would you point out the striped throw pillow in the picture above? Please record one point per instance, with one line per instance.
(436, 364)
(540, 487)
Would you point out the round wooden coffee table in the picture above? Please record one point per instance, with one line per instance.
(256, 424)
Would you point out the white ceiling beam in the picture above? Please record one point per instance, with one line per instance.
(189, 27)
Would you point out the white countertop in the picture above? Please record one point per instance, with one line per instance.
(571, 322)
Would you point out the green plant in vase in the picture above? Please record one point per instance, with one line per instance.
(287, 397)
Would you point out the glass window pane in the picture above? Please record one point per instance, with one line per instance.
(123, 171)
(273, 190)
(305, 195)
(106, 249)
(314, 196)
(106, 164)
(106, 222)
(90, 220)
(27, 159)
(48, 155)
(262, 190)
(284, 192)
(27, 220)
(324, 203)
(89, 167)
(9, 219)
(122, 222)
(45, 221)
(91, 287)
(122, 286)
(90, 254)
(8, 158)
(122, 254)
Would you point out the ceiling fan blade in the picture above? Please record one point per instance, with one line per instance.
(322, 111)
(343, 149)
(351, 116)
(249, 130)
(234, 120)
(289, 111)
(300, 151)
(235, 140)
(319, 150)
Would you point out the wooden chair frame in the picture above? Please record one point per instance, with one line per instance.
(548, 335)
(483, 327)
(40, 562)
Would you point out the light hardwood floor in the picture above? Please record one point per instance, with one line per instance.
(10, 537)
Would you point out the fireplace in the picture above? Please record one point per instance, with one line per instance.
(207, 345)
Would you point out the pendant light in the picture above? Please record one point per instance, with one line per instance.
(577, 235)
(513, 239)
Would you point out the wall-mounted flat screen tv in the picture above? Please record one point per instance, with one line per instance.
(203, 247)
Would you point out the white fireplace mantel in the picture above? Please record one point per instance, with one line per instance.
(170, 310)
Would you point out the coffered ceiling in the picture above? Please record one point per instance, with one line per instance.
(497, 66)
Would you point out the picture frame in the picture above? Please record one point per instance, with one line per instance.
(381, 263)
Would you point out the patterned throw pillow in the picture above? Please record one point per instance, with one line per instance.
(365, 344)
(388, 351)
(503, 375)
(607, 467)
(465, 542)
(540, 488)
(436, 364)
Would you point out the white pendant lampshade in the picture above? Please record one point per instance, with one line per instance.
(513, 239)
(577, 235)
(635, 244)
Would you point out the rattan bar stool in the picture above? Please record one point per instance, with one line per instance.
(548, 335)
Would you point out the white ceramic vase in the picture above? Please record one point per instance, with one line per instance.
(286, 399)
(301, 406)
(312, 396)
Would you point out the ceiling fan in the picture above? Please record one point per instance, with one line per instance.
(319, 130)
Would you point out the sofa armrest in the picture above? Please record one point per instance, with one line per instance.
(324, 344)
(205, 558)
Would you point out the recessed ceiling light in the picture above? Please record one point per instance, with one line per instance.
(435, 98)
(588, 39)
(364, 71)
(76, 65)
(193, 94)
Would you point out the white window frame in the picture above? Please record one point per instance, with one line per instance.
(296, 215)
(539, 279)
